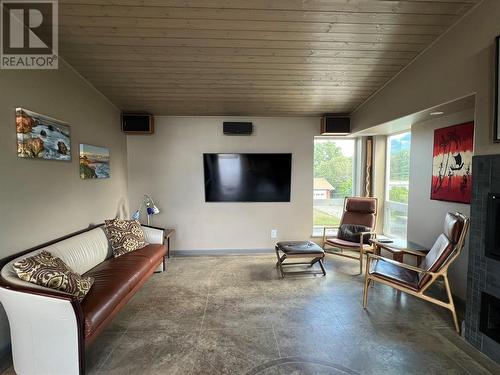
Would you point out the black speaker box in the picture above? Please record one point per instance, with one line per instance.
(335, 125)
(138, 123)
(237, 128)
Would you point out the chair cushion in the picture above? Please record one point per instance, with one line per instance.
(357, 218)
(443, 247)
(352, 233)
(435, 258)
(115, 278)
(124, 235)
(51, 272)
(399, 275)
(361, 205)
(299, 247)
(453, 226)
(337, 242)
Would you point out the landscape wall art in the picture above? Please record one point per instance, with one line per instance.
(94, 162)
(41, 137)
(452, 163)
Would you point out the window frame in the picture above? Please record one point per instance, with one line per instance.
(356, 172)
(388, 204)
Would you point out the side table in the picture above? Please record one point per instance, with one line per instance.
(397, 247)
(168, 234)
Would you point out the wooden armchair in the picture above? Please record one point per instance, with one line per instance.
(416, 280)
(360, 212)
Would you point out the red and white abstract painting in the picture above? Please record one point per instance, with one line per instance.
(452, 163)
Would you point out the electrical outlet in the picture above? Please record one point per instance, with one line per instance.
(274, 233)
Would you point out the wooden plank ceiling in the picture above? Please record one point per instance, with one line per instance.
(247, 57)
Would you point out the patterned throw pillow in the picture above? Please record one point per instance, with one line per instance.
(46, 270)
(351, 233)
(124, 236)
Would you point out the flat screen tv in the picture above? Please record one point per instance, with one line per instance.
(247, 177)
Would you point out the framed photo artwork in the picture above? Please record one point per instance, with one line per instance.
(42, 137)
(452, 163)
(94, 162)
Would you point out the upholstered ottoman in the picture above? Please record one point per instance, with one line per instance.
(302, 250)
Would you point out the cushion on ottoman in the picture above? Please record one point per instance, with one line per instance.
(299, 247)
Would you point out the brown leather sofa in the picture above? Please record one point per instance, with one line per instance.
(50, 329)
(116, 282)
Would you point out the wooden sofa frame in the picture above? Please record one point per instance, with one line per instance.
(65, 306)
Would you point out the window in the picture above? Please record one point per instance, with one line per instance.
(397, 185)
(334, 179)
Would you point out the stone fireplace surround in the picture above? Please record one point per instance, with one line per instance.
(483, 277)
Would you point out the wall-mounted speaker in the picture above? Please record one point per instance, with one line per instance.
(237, 128)
(138, 123)
(335, 125)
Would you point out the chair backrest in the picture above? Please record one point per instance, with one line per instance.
(360, 211)
(447, 246)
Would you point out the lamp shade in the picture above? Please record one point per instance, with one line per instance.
(151, 207)
(153, 210)
(136, 215)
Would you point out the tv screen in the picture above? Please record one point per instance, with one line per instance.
(247, 177)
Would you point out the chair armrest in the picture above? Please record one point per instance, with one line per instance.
(390, 248)
(398, 264)
(363, 235)
(417, 253)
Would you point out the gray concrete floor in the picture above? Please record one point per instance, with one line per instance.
(235, 315)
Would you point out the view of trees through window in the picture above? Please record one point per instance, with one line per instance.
(333, 179)
(397, 185)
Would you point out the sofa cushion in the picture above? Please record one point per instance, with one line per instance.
(124, 236)
(80, 253)
(83, 251)
(115, 279)
(46, 270)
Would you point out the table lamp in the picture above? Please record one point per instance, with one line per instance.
(151, 209)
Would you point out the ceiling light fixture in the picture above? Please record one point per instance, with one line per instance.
(437, 113)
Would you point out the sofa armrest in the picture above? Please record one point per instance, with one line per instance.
(45, 332)
(154, 235)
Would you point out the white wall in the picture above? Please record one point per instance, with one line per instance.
(425, 216)
(459, 64)
(169, 166)
(42, 200)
